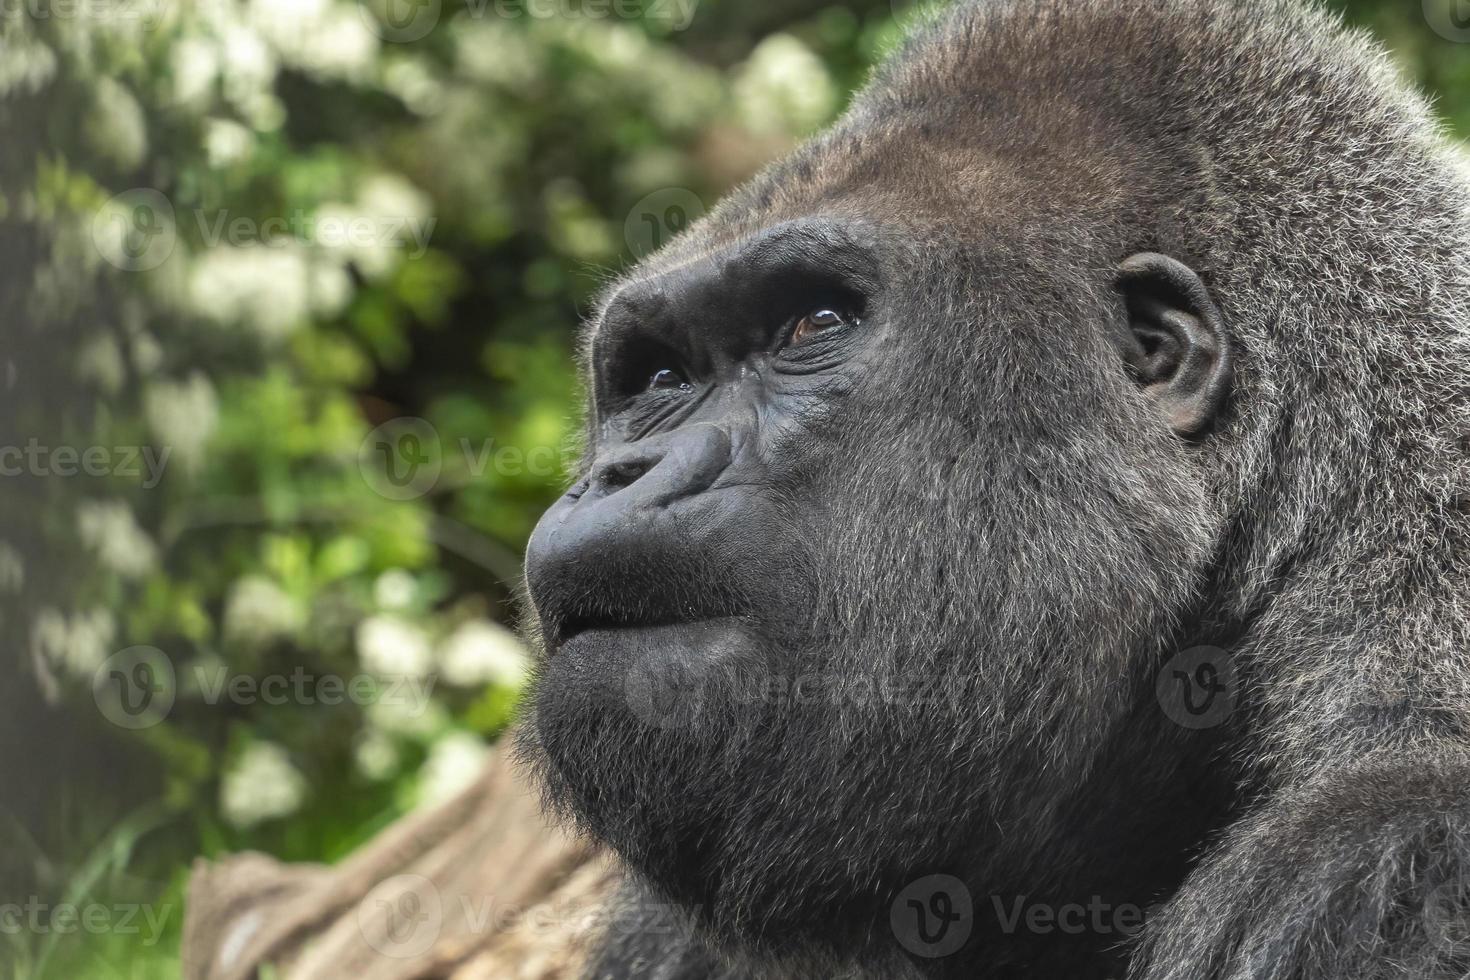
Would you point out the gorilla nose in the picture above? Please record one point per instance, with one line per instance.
(619, 519)
(657, 473)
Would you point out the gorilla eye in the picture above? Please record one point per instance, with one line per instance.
(818, 322)
(666, 379)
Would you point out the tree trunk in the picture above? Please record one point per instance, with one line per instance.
(479, 888)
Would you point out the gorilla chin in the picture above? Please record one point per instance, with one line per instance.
(1046, 489)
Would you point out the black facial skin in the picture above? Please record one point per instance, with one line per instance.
(1095, 332)
(704, 407)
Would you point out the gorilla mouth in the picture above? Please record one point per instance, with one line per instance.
(578, 625)
(575, 626)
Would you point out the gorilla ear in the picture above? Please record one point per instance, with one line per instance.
(1175, 344)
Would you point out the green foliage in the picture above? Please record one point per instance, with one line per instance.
(242, 241)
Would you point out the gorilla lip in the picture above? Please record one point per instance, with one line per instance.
(576, 627)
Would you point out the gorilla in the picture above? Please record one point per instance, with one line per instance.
(1025, 533)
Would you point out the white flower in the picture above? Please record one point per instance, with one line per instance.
(147, 352)
(261, 785)
(487, 50)
(784, 88)
(259, 612)
(393, 647)
(317, 36)
(109, 528)
(28, 65)
(408, 717)
(195, 68)
(389, 197)
(331, 289)
(348, 234)
(408, 79)
(79, 644)
(388, 216)
(248, 69)
(275, 17)
(100, 360)
(265, 286)
(182, 415)
(376, 756)
(454, 762)
(394, 589)
(483, 653)
(115, 125)
(340, 45)
(227, 142)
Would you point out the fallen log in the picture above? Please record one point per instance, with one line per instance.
(477, 888)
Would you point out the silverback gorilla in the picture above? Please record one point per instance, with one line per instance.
(1025, 533)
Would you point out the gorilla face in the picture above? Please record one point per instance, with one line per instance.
(878, 526)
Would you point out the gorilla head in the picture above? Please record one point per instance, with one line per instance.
(1090, 334)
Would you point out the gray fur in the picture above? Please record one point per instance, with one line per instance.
(1009, 510)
